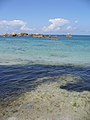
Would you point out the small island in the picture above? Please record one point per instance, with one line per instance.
(50, 37)
(32, 35)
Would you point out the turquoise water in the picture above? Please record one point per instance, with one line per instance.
(28, 50)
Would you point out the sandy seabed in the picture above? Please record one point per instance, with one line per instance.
(49, 102)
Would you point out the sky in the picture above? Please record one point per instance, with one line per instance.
(45, 16)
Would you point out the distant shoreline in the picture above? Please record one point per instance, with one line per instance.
(53, 37)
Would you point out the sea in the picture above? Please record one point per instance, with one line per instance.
(25, 61)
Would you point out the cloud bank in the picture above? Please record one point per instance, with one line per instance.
(14, 26)
(55, 24)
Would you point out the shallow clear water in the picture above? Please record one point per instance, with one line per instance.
(28, 50)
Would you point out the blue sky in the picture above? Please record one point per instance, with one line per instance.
(45, 16)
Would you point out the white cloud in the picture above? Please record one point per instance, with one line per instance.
(55, 24)
(14, 26)
(12, 22)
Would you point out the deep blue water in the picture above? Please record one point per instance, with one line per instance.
(18, 79)
(24, 60)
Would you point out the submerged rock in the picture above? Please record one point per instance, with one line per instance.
(50, 102)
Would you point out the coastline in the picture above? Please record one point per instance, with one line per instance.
(44, 60)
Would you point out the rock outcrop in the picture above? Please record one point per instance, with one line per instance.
(32, 35)
(69, 36)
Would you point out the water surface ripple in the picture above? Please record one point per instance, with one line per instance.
(15, 80)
